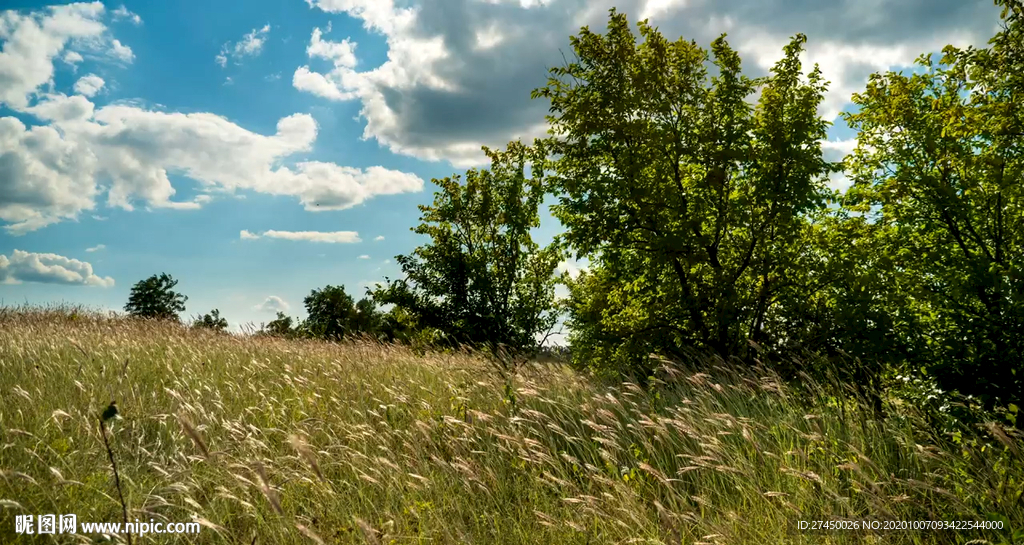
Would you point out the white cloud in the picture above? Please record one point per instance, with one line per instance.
(96, 248)
(838, 149)
(273, 304)
(846, 65)
(24, 266)
(251, 45)
(30, 43)
(121, 52)
(51, 173)
(89, 85)
(364, 256)
(41, 178)
(378, 238)
(72, 57)
(654, 8)
(122, 13)
(573, 267)
(332, 237)
(459, 72)
(372, 284)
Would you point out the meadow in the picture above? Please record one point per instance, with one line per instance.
(272, 441)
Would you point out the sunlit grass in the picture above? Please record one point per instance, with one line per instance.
(299, 442)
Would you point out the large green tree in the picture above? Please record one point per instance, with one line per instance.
(691, 202)
(938, 168)
(482, 280)
(155, 297)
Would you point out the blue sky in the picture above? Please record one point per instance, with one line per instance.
(146, 137)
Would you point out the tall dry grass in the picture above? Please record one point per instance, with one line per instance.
(270, 441)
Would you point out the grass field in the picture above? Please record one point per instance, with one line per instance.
(275, 442)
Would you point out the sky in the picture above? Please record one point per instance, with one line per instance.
(256, 150)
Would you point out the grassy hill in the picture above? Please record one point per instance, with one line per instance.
(270, 441)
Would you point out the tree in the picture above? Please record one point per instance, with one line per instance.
(333, 314)
(154, 298)
(330, 313)
(366, 319)
(691, 204)
(397, 325)
(280, 326)
(940, 157)
(482, 280)
(212, 321)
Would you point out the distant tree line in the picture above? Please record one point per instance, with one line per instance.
(332, 314)
(709, 223)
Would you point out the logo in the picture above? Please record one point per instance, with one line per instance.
(45, 524)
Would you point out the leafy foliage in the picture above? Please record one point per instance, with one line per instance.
(281, 326)
(213, 321)
(333, 314)
(940, 156)
(155, 297)
(691, 203)
(482, 280)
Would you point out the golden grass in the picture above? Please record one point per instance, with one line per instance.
(303, 442)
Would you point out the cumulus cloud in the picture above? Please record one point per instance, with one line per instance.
(378, 238)
(41, 178)
(31, 41)
(331, 237)
(122, 13)
(121, 52)
(364, 256)
(72, 57)
(837, 150)
(52, 172)
(273, 304)
(96, 248)
(89, 85)
(251, 45)
(573, 267)
(23, 266)
(459, 72)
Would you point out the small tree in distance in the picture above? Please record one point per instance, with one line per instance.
(330, 312)
(155, 297)
(281, 326)
(213, 321)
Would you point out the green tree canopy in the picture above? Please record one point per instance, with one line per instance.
(940, 156)
(334, 314)
(330, 311)
(691, 203)
(482, 280)
(281, 325)
(212, 320)
(155, 297)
